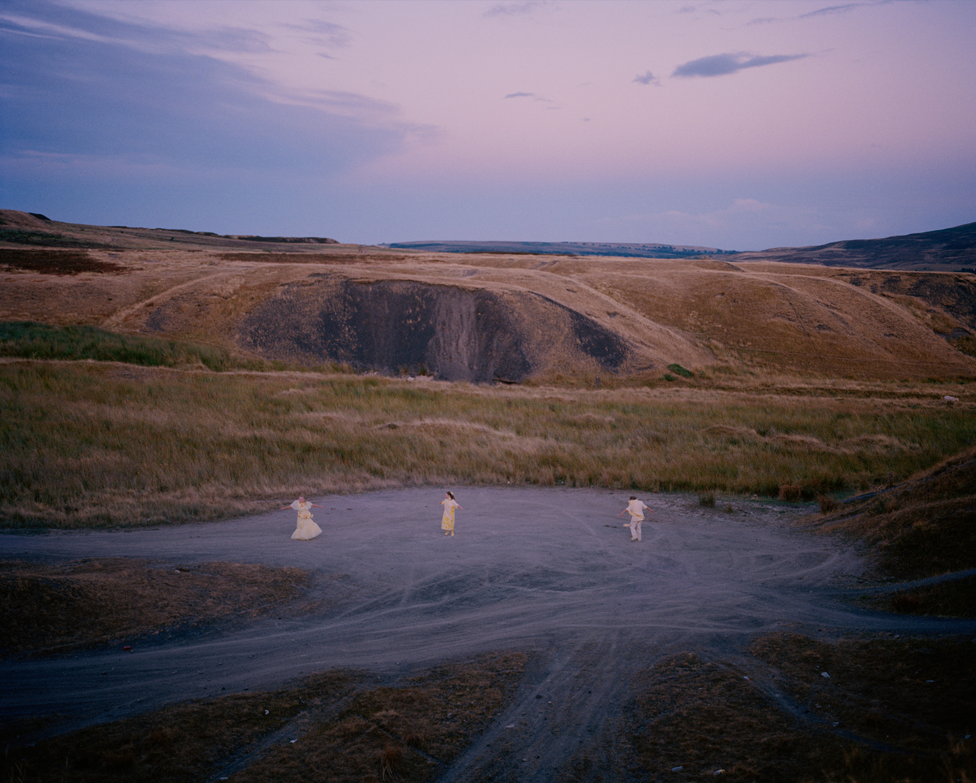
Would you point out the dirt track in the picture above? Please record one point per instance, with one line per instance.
(549, 571)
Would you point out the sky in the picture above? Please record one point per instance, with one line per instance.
(741, 125)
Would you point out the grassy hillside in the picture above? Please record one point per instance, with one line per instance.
(174, 376)
(512, 318)
(106, 443)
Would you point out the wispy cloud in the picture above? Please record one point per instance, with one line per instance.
(325, 34)
(515, 9)
(528, 96)
(832, 10)
(724, 64)
(647, 78)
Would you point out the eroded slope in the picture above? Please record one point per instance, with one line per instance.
(509, 318)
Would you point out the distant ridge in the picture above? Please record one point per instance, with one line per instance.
(34, 229)
(946, 250)
(624, 250)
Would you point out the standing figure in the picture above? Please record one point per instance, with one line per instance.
(447, 521)
(306, 529)
(636, 510)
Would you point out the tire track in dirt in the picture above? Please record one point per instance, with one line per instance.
(565, 710)
(551, 572)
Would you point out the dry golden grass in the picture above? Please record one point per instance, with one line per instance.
(95, 444)
(952, 598)
(922, 528)
(911, 698)
(186, 742)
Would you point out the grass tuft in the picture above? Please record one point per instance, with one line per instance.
(677, 369)
(791, 493)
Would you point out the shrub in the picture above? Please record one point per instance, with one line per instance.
(679, 370)
(827, 504)
(790, 492)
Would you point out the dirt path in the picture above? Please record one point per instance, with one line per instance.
(550, 571)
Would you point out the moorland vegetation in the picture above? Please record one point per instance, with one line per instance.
(154, 377)
(96, 443)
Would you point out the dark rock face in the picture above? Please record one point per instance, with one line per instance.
(410, 327)
(597, 342)
(392, 326)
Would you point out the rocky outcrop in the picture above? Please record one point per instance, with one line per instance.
(402, 326)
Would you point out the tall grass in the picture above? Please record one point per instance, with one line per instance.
(101, 444)
(30, 340)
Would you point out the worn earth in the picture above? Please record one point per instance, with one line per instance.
(548, 572)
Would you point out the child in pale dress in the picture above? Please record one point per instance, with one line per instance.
(447, 521)
(306, 529)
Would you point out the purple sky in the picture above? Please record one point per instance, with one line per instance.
(739, 125)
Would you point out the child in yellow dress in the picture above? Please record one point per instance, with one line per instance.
(447, 521)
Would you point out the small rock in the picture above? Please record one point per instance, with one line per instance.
(676, 769)
(824, 674)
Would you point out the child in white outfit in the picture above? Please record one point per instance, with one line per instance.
(636, 510)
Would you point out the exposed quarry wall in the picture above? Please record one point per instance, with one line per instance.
(449, 332)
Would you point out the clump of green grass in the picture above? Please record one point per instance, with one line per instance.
(29, 340)
(677, 369)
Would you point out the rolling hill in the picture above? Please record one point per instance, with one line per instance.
(485, 317)
(949, 250)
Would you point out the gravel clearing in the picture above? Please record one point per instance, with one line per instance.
(550, 571)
